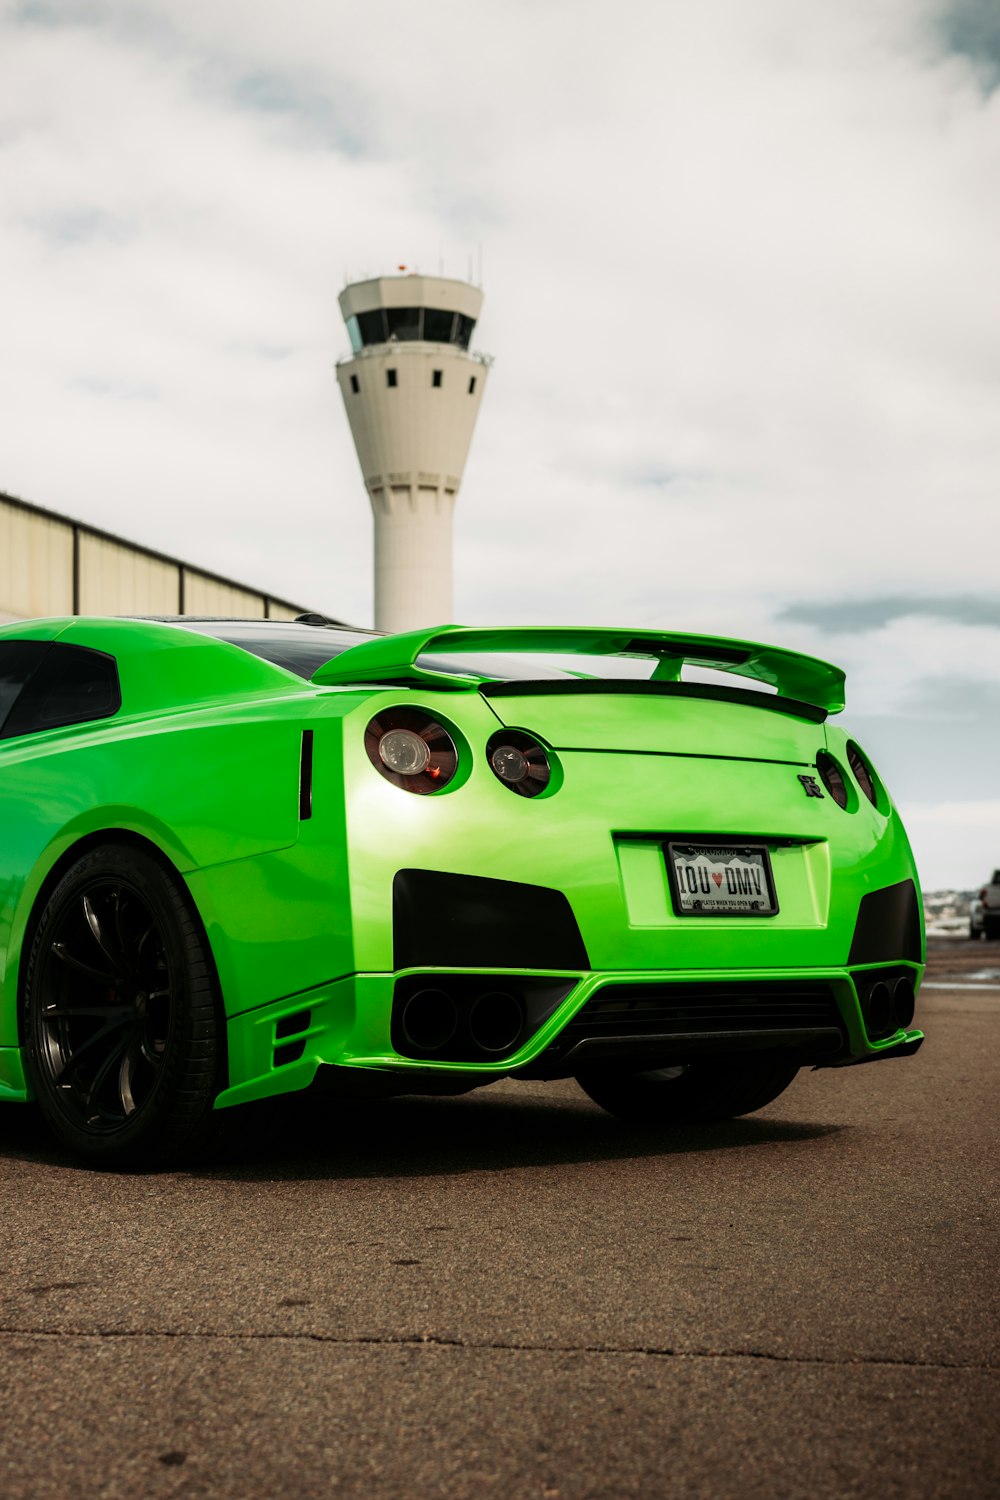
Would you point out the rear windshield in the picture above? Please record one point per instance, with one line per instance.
(301, 649)
(304, 648)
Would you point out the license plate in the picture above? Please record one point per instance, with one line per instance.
(708, 880)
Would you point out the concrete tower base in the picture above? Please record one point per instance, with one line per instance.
(413, 564)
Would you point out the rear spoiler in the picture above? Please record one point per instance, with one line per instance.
(394, 658)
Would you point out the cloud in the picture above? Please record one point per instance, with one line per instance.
(309, 112)
(930, 754)
(956, 699)
(956, 843)
(71, 226)
(971, 28)
(850, 616)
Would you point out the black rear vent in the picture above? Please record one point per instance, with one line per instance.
(888, 926)
(470, 922)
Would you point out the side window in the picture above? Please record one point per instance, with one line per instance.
(68, 685)
(18, 660)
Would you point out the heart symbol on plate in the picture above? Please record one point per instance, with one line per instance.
(717, 879)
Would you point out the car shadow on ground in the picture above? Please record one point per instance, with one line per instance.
(414, 1137)
(303, 1138)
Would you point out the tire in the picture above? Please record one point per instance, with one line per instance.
(121, 1020)
(991, 928)
(691, 1093)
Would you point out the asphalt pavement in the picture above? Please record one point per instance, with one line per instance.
(511, 1294)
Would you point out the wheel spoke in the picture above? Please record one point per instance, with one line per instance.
(104, 940)
(152, 1057)
(104, 1071)
(140, 945)
(72, 962)
(125, 1076)
(71, 1012)
(71, 1063)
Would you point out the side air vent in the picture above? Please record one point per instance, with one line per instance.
(291, 1026)
(306, 776)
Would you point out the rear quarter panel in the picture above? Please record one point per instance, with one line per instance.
(208, 789)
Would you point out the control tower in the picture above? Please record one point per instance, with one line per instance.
(412, 392)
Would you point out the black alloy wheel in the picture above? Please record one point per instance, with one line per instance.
(693, 1093)
(120, 1014)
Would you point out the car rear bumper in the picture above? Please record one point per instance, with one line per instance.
(569, 1021)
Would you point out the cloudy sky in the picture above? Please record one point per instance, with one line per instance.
(740, 263)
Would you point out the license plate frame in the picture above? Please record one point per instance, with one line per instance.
(735, 894)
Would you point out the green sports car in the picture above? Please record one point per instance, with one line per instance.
(241, 858)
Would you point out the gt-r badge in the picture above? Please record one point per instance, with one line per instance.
(810, 787)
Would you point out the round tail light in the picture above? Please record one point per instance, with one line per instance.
(411, 749)
(832, 778)
(519, 762)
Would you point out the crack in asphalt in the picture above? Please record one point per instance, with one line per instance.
(440, 1341)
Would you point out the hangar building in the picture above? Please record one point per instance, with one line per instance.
(51, 565)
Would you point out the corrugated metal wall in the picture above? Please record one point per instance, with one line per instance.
(36, 564)
(117, 580)
(50, 565)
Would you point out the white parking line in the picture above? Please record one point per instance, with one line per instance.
(935, 984)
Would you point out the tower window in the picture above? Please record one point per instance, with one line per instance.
(390, 377)
(435, 377)
(433, 325)
(404, 323)
(472, 385)
(355, 384)
(371, 326)
(438, 325)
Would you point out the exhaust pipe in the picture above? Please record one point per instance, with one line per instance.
(904, 1001)
(879, 1009)
(496, 1021)
(429, 1020)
